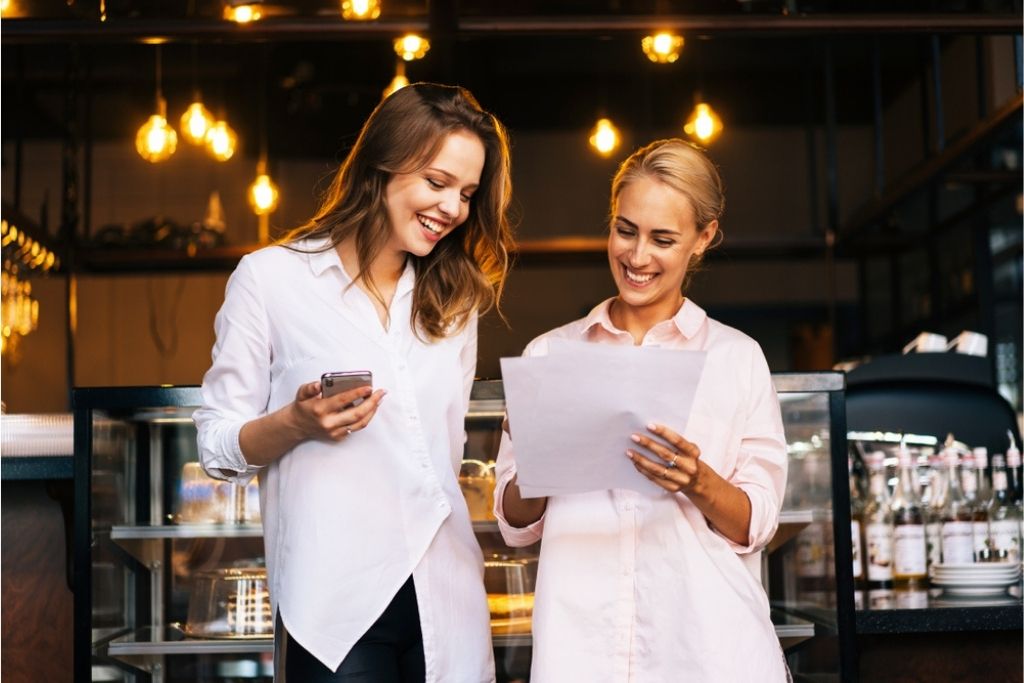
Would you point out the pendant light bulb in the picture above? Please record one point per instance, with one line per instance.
(156, 140)
(263, 194)
(195, 123)
(243, 13)
(703, 124)
(604, 137)
(360, 10)
(411, 46)
(221, 141)
(663, 47)
(398, 82)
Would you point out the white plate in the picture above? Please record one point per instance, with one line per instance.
(973, 591)
(976, 577)
(973, 582)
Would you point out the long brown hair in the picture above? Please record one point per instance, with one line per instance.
(466, 271)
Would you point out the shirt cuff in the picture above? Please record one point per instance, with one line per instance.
(231, 465)
(764, 520)
(516, 537)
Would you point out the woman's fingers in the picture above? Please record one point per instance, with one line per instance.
(343, 400)
(672, 457)
(678, 442)
(308, 391)
(669, 478)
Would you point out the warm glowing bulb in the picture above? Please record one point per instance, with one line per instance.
(703, 123)
(360, 10)
(243, 14)
(195, 122)
(605, 137)
(4, 6)
(221, 141)
(263, 195)
(411, 46)
(156, 141)
(662, 48)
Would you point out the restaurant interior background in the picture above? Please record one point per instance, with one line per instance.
(871, 153)
(897, 133)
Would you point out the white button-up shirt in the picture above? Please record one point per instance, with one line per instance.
(639, 587)
(345, 524)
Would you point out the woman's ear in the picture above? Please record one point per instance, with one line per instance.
(706, 238)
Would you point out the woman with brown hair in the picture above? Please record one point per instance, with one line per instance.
(374, 569)
(662, 585)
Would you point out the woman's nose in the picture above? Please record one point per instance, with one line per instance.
(639, 256)
(450, 204)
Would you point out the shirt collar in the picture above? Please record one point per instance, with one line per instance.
(688, 319)
(322, 257)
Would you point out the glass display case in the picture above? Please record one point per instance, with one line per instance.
(156, 543)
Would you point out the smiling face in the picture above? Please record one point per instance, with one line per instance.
(426, 205)
(653, 238)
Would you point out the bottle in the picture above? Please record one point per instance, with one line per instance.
(878, 532)
(981, 504)
(957, 518)
(910, 559)
(933, 501)
(1003, 516)
(857, 504)
(1013, 471)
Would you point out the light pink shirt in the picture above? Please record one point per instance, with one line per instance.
(345, 524)
(639, 587)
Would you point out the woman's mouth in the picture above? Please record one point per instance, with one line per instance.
(638, 279)
(434, 228)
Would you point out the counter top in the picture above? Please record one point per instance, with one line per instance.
(929, 611)
(22, 467)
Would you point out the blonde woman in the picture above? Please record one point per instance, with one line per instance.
(662, 586)
(375, 572)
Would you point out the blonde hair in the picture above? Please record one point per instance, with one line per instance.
(685, 168)
(465, 273)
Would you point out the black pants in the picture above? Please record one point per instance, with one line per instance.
(391, 651)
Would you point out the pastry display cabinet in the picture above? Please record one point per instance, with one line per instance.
(149, 533)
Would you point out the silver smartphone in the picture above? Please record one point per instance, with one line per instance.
(332, 383)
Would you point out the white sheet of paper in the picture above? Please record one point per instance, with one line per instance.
(571, 412)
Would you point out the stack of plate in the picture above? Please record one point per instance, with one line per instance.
(982, 578)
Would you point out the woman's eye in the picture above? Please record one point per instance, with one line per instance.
(664, 243)
(624, 232)
(434, 184)
(466, 198)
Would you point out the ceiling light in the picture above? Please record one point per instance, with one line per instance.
(243, 12)
(604, 137)
(662, 48)
(411, 46)
(195, 122)
(263, 193)
(703, 124)
(360, 10)
(155, 140)
(221, 141)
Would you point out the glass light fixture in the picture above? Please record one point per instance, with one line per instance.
(195, 122)
(604, 137)
(221, 141)
(411, 46)
(360, 10)
(263, 193)
(703, 124)
(243, 13)
(663, 47)
(398, 82)
(156, 140)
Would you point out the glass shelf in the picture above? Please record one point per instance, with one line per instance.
(145, 543)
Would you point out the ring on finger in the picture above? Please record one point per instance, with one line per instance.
(664, 472)
(672, 463)
(348, 431)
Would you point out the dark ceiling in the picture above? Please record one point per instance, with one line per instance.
(539, 65)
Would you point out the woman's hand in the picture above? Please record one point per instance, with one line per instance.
(332, 418)
(677, 467)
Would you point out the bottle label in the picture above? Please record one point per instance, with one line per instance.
(879, 540)
(810, 552)
(981, 542)
(933, 535)
(1004, 538)
(970, 480)
(858, 563)
(999, 480)
(957, 543)
(909, 557)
